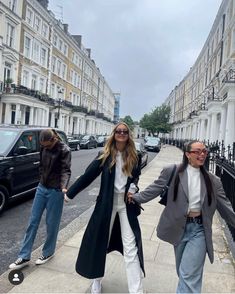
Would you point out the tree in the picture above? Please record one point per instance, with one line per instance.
(129, 121)
(147, 123)
(157, 120)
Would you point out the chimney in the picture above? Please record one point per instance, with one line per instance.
(44, 3)
(78, 39)
(66, 28)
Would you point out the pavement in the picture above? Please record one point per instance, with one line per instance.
(58, 275)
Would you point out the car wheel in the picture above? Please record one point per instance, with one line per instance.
(4, 196)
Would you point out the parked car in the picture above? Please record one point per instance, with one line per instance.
(88, 142)
(101, 140)
(153, 144)
(19, 161)
(144, 154)
(73, 143)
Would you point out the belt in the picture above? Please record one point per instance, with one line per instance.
(196, 219)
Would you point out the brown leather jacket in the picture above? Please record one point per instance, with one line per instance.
(55, 166)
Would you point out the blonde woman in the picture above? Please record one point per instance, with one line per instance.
(113, 224)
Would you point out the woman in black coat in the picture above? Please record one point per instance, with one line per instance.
(113, 224)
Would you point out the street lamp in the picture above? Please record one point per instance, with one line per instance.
(59, 101)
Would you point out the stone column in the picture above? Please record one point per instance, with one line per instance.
(7, 119)
(223, 123)
(208, 129)
(31, 116)
(18, 115)
(230, 122)
(213, 127)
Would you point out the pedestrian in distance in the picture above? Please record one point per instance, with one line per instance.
(113, 224)
(186, 222)
(55, 172)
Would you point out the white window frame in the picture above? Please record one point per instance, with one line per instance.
(37, 23)
(27, 50)
(10, 35)
(29, 16)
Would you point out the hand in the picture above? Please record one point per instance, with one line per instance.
(66, 198)
(64, 190)
(130, 197)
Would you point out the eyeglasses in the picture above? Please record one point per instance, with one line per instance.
(120, 131)
(199, 151)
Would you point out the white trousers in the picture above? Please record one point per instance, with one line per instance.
(133, 269)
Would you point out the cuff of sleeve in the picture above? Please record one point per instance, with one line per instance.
(133, 189)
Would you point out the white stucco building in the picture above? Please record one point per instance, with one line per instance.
(203, 103)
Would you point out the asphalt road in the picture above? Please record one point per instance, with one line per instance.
(13, 222)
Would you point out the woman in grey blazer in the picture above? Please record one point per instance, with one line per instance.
(186, 222)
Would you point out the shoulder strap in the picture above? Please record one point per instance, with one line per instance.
(172, 174)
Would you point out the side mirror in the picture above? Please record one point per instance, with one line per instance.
(21, 150)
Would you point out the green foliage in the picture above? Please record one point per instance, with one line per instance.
(129, 121)
(157, 121)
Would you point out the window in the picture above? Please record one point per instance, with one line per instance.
(29, 16)
(63, 71)
(25, 78)
(43, 57)
(34, 82)
(53, 61)
(41, 85)
(60, 45)
(12, 5)
(58, 67)
(27, 43)
(52, 90)
(55, 40)
(10, 35)
(36, 51)
(37, 23)
(45, 30)
(65, 50)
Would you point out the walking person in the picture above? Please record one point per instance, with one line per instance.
(186, 222)
(113, 224)
(54, 169)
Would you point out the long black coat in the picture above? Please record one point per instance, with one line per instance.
(92, 254)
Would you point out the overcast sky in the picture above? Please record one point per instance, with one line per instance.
(143, 48)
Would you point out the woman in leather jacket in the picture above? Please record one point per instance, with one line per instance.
(55, 162)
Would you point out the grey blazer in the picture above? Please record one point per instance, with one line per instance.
(172, 222)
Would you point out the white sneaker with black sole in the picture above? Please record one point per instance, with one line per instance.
(43, 259)
(19, 263)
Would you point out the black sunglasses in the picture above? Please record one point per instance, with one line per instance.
(120, 131)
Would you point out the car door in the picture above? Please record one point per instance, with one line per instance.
(25, 167)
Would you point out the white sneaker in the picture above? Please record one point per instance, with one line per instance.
(43, 259)
(96, 286)
(19, 263)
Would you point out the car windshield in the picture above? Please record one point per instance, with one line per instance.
(7, 137)
(153, 140)
(85, 137)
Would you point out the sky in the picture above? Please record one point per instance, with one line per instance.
(143, 48)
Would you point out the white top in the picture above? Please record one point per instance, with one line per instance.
(194, 188)
(120, 178)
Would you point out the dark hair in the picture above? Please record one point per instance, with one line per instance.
(48, 135)
(183, 166)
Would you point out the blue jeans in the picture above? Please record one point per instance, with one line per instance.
(190, 256)
(52, 200)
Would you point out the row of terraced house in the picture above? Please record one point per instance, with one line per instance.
(203, 103)
(47, 76)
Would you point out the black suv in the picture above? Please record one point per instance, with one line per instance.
(19, 161)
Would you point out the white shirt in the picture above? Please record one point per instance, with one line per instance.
(120, 178)
(194, 188)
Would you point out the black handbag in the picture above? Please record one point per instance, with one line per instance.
(164, 192)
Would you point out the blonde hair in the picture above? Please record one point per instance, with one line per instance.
(129, 154)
